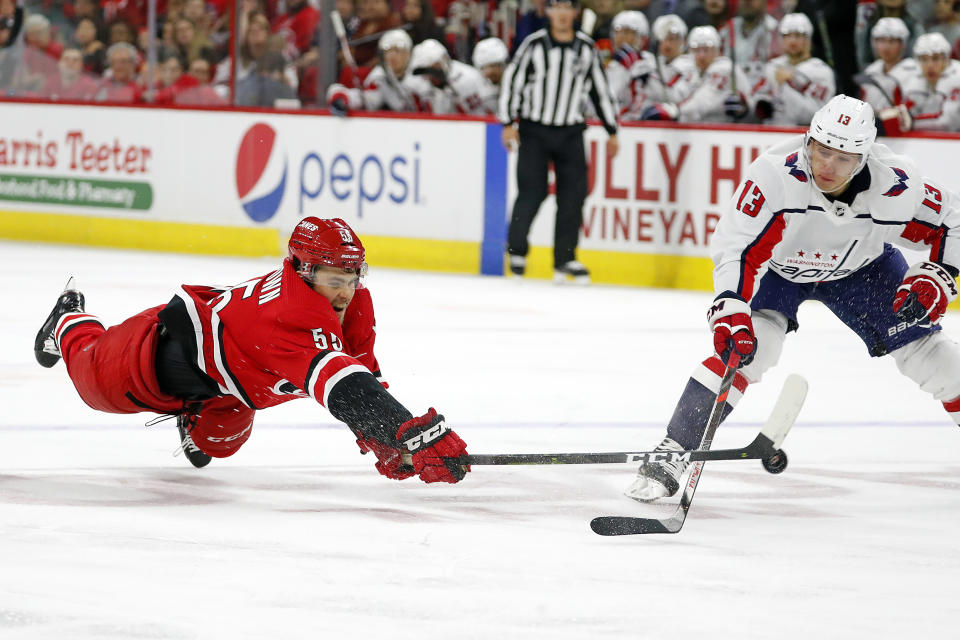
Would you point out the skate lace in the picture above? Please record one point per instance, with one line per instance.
(673, 467)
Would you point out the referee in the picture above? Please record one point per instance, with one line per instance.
(541, 110)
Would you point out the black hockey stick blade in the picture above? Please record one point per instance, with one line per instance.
(777, 425)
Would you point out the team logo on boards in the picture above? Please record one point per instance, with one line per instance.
(261, 172)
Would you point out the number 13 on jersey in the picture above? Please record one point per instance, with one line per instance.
(751, 199)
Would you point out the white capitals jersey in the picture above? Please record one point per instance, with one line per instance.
(490, 97)
(634, 82)
(795, 101)
(678, 75)
(936, 108)
(751, 51)
(462, 93)
(885, 89)
(710, 89)
(778, 220)
(383, 90)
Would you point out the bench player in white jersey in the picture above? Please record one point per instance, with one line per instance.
(454, 87)
(674, 67)
(795, 84)
(817, 218)
(389, 85)
(632, 70)
(490, 58)
(882, 82)
(934, 96)
(718, 89)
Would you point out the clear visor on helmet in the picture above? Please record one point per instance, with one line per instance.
(336, 278)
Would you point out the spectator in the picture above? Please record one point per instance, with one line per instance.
(795, 85)
(170, 80)
(121, 31)
(490, 58)
(298, 28)
(945, 20)
(200, 91)
(267, 85)
(712, 13)
(88, 9)
(348, 14)
(71, 83)
(133, 12)
(934, 97)
(755, 39)
(867, 16)
(190, 44)
(375, 18)
(423, 26)
(533, 20)
(40, 55)
(120, 85)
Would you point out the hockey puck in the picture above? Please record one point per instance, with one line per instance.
(776, 463)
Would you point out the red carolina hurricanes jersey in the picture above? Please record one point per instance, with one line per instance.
(273, 338)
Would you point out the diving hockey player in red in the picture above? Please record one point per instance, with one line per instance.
(816, 219)
(213, 356)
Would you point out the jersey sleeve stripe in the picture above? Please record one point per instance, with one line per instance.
(332, 381)
(69, 321)
(757, 253)
(220, 357)
(323, 368)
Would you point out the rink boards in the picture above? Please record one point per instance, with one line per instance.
(430, 194)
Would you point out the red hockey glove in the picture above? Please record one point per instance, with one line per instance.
(923, 296)
(435, 448)
(729, 317)
(389, 460)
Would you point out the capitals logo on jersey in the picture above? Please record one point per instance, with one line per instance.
(261, 172)
(795, 171)
(901, 185)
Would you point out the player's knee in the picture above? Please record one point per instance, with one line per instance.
(770, 328)
(933, 362)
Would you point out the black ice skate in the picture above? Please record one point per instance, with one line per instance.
(45, 347)
(572, 271)
(185, 424)
(518, 265)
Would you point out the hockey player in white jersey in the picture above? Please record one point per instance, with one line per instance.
(675, 68)
(490, 58)
(795, 84)
(631, 72)
(882, 82)
(816, 218)
(751, 38)
(934, 96)
(454, 87)
(717, 94)
(388, 86)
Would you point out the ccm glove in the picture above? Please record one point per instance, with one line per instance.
(923, 296)
(734, 107)
(390, 461)
(729, 318)
(435, 449)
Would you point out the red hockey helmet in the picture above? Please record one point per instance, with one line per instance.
(325, 242)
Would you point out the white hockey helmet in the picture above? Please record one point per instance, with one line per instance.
(891, 28)
(670, 24)
(703, 37)
(796, 23)
(490, 51)
(845, 124)
(395, 39)
(428, 53)
(931, 44)
(632, 20)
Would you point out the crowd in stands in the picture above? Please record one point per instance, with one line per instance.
(758, 61)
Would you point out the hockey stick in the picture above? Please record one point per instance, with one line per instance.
(341, 32)
(764, 447)
(825, 36)
(782, 417)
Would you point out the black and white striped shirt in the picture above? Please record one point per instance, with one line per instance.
(547, 80)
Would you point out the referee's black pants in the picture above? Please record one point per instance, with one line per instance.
(539, 144)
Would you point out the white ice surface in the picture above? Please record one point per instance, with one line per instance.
(104, 535)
